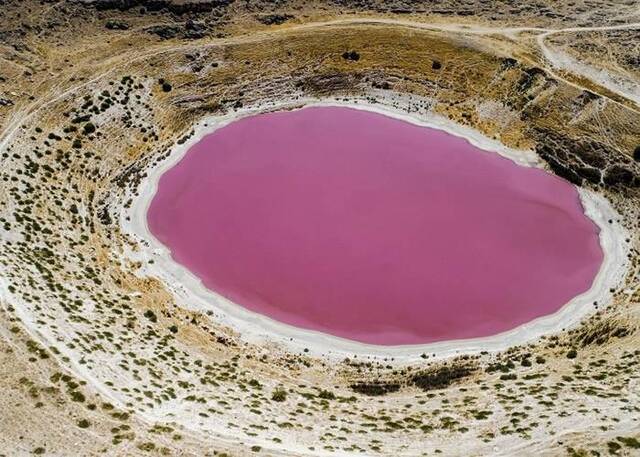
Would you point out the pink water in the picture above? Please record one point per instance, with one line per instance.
(372, 229)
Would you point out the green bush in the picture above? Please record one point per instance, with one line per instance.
(151, 315)
(279, 395)
(88, 128)
(84, 423)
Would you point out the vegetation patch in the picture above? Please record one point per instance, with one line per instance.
(375, 388)
(443, 376)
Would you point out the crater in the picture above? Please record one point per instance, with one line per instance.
(368, 228)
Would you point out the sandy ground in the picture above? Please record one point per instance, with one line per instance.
(257, 328)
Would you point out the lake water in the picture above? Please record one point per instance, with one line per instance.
(369, 228)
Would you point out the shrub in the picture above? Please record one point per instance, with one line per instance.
(375, 388)
(88, 128)
(79, 119)
(444, 376)
(631, 442)
(147, 446)
(84, 423)
(77, 396)
(150, 315)
(326, 395)
(279, 395)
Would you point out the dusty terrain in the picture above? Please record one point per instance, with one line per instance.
(99, 357)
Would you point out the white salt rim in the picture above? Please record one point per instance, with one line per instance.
(256, 328)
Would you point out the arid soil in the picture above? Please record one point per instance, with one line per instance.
(100, 357)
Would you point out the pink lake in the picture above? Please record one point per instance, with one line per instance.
(372, 229)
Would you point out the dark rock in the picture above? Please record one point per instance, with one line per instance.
(508, 62)
(193, 25)
(225, 341)
(114, 24)
(535, 71)
(557, 167)
(591, 153)
(582, 159)
(383, 85)
(189, 30)
(528, 77)
(196, 6)
(351, 55)
(554, 155)
(592, 175)
(194, 30)
(328, 83)
(176, 7)
(164, 31)
(588, 96)
(111, 4)
(6, 102)
(584, 99)
(275, 19)
(618, 175)
(633, 61)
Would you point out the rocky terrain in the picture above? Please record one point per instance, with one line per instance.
(101, 358)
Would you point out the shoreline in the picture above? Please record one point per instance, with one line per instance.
(259, 329)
